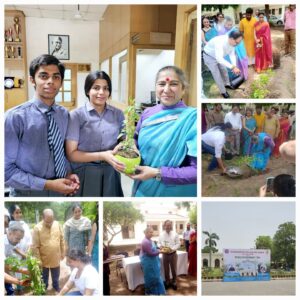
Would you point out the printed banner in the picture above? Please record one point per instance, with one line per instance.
(246, 265)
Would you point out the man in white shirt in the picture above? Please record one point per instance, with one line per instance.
(214, 55)
(15, 233)
(170, 239)
(186, 237)
(213, 141)
(235, 119)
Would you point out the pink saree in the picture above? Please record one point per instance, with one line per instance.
(263, 50)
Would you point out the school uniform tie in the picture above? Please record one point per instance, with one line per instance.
(56, 144)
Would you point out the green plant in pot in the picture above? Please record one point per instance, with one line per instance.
(127, 152)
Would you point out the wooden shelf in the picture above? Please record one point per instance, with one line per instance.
(14, 43)
(16, 66)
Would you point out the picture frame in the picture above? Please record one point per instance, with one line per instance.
(59, 46)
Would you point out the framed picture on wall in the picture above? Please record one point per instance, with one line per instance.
(59, 46)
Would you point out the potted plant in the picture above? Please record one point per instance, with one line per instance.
(127, 152)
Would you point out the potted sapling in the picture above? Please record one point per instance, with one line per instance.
(127, 152)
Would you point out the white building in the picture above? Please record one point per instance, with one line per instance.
(155, 214)
(216, 260)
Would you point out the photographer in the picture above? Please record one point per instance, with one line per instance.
(283, 186)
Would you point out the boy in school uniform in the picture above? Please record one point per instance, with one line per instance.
(35, 163)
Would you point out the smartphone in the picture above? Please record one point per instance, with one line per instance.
(269, 183)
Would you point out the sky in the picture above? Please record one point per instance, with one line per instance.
(238, 224)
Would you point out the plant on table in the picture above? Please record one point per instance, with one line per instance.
(127, 153)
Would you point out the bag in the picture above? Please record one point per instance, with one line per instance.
(237, 81)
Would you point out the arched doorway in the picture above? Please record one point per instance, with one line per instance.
(217, 263)
(205, 263)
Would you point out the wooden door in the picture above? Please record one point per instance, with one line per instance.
(67, 95)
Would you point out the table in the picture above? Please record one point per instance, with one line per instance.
(134, 273)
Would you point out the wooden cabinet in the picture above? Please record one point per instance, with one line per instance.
(15, 58)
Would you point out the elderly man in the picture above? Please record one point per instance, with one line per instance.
(15, 233)
(169, 239)
(214, 54)
(58, 50)
(48, 246)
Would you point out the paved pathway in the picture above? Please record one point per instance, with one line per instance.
(273, 287)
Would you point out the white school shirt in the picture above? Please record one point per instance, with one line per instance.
(215, 138)
(169, 240)
(89, 279)
(219, 47)
(234, 119)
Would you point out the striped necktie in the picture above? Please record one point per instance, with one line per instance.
(56, 144)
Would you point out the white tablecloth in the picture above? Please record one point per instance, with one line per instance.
(134, 273)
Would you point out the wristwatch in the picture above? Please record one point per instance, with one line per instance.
(158, 175)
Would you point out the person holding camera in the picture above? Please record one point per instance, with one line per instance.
(282, 185)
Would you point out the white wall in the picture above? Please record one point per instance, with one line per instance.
(84, 44)
(148, 62)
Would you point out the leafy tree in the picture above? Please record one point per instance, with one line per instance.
(211, 243)
(284, 242)
(193, 215)
(218, 7)
(32, 211)
(118, 213)
(263, 242)
(207, 249)
(183, 204)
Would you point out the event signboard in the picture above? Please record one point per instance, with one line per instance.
(246, 265)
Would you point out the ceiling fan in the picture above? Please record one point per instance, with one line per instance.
(78, 15)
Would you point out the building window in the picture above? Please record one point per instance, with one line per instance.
(217, 263)
(280, 11)
(181, 226)
(273, 11)
(205, 263)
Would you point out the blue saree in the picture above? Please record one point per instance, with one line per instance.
(261, 153)
(250, 124)
(242, 58)
(165, 139)
(211, 33)
(151, 268)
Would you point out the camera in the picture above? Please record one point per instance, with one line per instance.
(270, 183)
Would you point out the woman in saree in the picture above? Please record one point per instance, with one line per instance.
(283, 132)
(262, 148)
(166, 136)
(192, 270)
(249, 126)
(219, 24)
(207, 32)
(263, 51)
(150, 262)
(240, 50)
